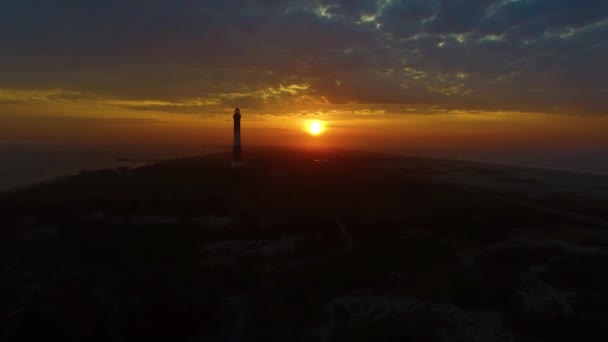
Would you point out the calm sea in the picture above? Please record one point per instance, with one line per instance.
(27, 164)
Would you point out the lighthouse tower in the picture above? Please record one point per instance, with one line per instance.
(236, 146)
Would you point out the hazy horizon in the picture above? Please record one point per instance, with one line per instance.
(25, 164)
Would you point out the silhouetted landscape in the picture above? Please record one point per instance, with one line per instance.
(304, 170)
(307, 245)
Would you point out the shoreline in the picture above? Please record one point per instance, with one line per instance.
(151, 161)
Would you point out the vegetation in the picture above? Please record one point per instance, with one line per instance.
(292, 249)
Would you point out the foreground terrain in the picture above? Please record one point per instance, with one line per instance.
(307, 245)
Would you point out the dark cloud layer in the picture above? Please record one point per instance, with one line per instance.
(483, 54)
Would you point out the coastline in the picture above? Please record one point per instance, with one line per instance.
(140, 162)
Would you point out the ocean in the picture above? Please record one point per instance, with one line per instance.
(27, 164)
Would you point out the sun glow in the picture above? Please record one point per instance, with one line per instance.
(315, 127)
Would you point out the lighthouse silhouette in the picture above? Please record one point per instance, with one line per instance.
(236, 145)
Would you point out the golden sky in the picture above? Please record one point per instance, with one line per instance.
(382, 74)
(52, 117)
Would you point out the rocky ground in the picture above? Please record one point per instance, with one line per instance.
(307, 245)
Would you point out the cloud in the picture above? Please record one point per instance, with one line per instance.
(55, 120)
(519, 54)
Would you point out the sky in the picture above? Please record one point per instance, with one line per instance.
(428, 74)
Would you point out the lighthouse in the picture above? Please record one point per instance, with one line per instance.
(236, 145)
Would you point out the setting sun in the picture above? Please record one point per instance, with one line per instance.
(315, 127)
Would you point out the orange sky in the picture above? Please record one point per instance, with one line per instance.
(45, 121)
(385, 75)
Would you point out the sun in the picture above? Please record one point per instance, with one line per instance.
(315, 127)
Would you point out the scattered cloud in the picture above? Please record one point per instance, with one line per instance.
(201, 56)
